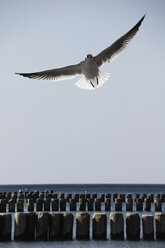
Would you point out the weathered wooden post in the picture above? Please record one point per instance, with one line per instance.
(129, 204)
(41, 226)
(68, 197)
(62, 204)
(158, 204)
(108, 196)
(20, 205)
(62, 195)
(122, 197)
(8, 196)
(87, 196)
(97, 204)
(151, 197)
(114, 197)
(76, 197)
(39, 205)
(147, 204)
(54, 196)
(30, 205)
(160, 225)
(118, 204)
(82, 226)
(82, 196)
(67, 226)
(90, 204)
(99, 226)
(129, 195)
(5, 227)
(73, 204)
(55, 227)
(94, 196)
(20, 226)
(163, 198)
(82, 204)
(107, 204)
(148, 226)
(11, 205)
(60, 226)
(157, 196)
(102, 197)
(136, 196)
(41, 195)
(55, 204)
(144, 196)
(30, 227)
(139, 204)
(47, 204)
(117, 226)
(133, 226)
(2, 205)
(14, 196)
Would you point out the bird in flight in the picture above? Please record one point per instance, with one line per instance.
(92, 78)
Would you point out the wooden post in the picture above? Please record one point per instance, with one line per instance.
(148, 226)
(41, 226)
(99, 226)
(158, 204)
(117, 226)
(90, 204)
(122, 197)
(55, 220)
(39, 205)
(129, 204)
(160, 225)
(5, 227)
(139, 204)
(114, 197)
(20, 226)
(107, 204)
(30, 205)
(73, 205)
(82, 226)
(82, 204)
(11, 205)
(62, 204)
(118, 204)
(147, 204)
(67, 226)
(20, 205)
(133, 226)
(30, 227)
(98, 204)
(102, 197)
(2, 205)
(55, 204)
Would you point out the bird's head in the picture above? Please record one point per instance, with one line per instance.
(89, 56)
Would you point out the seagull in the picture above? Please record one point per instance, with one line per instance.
(92, 78)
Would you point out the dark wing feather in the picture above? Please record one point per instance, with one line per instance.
(55, 74)
(118, 46)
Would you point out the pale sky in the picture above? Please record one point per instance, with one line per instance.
(57, 133)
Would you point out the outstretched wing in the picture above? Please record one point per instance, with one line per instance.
(118, 46)
(55, 74)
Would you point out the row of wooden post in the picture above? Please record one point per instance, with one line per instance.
(59, 226)
(84, 205)
(51, 195)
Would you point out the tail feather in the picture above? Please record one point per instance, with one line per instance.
(93, 83)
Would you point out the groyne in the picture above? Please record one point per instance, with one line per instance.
(42, 226)
(30, 216)
(50, 201)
